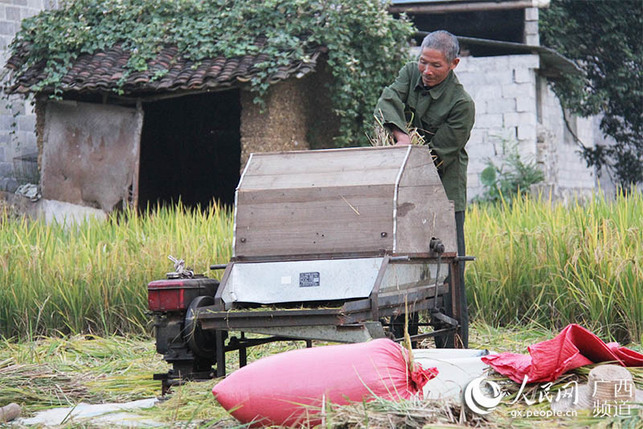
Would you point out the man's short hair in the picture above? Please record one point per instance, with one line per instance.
(444, 42)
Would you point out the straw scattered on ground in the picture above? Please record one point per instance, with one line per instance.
(62, 372)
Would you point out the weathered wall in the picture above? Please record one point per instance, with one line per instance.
(515, 105)
(17, 119)
(297, 115)
(278, 125)
(558, 152)
(91, 154)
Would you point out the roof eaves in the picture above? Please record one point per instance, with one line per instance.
(553, 63)
(448, 6)
(104, 71)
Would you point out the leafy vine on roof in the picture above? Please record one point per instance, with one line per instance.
(365, 43)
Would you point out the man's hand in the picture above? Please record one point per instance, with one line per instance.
(401, 138)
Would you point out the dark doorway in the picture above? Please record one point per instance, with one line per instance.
(500, 25)
(190, 150)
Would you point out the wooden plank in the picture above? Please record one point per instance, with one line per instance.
(354, 177)
(424, 212)
(419, 169)
(311, 221)
(91, 154)
(423, 209)
(321, 168)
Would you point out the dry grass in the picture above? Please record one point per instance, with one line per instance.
(40, 385)
(414, 413)
(54, 372)
(382, 137)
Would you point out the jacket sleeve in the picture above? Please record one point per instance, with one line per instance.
(390, 106)
(453, 134)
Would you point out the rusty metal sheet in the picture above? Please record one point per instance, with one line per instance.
(91, 154)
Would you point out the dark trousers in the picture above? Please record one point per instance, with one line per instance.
(443, 341)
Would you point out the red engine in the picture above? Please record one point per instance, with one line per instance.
(179, 338)
(177, 294)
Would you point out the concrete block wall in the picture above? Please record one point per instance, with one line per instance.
(504, 90)
(566, 173)
(17, 118)
(531, 26)
(514, 105)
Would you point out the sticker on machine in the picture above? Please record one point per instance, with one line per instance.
(309, 279)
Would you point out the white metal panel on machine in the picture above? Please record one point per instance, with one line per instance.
(399, 277)
(301, 281)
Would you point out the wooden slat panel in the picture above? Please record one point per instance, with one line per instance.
(321, 168)
(419, 169)
(424, 212)
(314, 220)
(91, 154)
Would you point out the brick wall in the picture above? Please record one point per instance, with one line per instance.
(567, 173)
(515, 106)
(17, 119)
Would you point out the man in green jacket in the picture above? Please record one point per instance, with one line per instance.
(428, 96)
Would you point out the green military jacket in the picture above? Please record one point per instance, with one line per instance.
(444, 115)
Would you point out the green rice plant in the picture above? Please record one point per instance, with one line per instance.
(537, 261)
(92, 277)
(553, 264)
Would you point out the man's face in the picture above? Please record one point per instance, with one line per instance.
(434, 66)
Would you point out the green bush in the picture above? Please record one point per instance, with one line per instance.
(511, 177)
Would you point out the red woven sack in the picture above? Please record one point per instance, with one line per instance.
(574, 347)
(291, 388)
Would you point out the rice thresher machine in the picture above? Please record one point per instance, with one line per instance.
(337, 245)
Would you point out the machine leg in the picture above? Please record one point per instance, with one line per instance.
(452, 307)
(459, 309)
(220, 352)
(243, 352)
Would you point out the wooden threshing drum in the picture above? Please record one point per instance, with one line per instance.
(312, 204)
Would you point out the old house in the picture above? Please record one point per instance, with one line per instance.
(183, 136)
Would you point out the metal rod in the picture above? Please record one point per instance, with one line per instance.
(218, 266)
(243, 351)
(464, 258)
(468, 7)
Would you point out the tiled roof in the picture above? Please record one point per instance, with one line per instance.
(103, 70)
